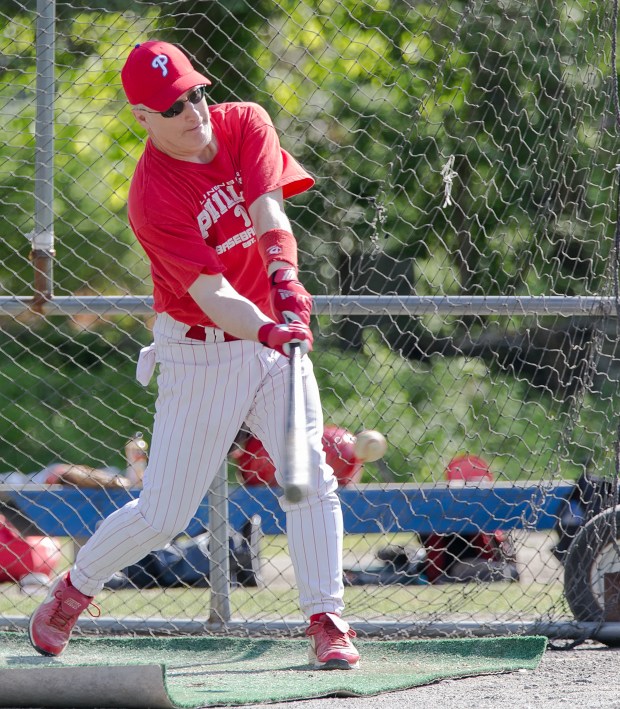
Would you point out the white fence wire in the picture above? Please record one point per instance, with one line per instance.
(460, 244)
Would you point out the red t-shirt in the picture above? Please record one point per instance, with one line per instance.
(193, 218)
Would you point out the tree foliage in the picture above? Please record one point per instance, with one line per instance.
(387, 93)
(393, 105)
(374, 99)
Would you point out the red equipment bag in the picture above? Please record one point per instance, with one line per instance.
(20, 556)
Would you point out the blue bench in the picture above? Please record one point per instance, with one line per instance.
(63, 511)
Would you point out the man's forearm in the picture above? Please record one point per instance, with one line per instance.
(229, 310)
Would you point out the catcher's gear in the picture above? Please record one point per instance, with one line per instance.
(256, 467)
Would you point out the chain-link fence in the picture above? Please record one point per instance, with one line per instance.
(460, 245)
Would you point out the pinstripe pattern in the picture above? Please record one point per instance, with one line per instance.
(206, 392)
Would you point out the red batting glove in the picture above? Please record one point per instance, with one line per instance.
(289, 299)
(280, 337)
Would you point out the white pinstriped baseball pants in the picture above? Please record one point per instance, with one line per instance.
(206, 391)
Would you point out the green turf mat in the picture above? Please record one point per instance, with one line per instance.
(212, 671)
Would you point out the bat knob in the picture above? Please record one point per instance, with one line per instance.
(295, 493)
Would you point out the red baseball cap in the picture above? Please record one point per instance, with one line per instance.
(157, 73)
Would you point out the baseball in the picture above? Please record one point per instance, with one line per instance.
(369, 446)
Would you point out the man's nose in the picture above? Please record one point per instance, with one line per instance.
(193, 108)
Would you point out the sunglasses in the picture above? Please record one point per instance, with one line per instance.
(195, 96)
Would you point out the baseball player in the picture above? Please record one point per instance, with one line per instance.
(206, 204)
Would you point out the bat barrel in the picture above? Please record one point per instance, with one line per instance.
(297, 468)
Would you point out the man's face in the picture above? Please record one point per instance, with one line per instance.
(183, 136)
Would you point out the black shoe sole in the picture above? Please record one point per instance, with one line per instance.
(336, 665)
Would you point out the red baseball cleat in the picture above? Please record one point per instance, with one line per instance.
(51, 624)
(330, 644)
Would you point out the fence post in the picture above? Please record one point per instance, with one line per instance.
(219, 568)
(42, 254)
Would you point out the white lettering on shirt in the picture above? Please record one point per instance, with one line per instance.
(246, 237)
(242, 212)
(217, 202)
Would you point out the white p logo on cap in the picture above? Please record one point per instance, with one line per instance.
(160, 62)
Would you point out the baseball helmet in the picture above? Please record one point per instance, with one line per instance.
(468, 468)
(340, 454)
(255, 466)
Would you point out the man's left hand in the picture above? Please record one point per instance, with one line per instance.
(289, 299)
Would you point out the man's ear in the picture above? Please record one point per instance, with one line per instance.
(140, 116)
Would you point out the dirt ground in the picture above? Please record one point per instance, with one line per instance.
(586, 677)
(583, 678)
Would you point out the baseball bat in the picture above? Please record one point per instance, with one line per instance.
(297, 464)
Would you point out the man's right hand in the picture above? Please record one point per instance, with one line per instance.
(280, 337)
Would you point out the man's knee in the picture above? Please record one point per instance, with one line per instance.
(163, 529)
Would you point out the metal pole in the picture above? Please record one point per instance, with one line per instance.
(380, 305)
(383, 629)
(42, 254)
(219, 567)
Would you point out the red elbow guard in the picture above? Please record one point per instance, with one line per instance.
(278, 245)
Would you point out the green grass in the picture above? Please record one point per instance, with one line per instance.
(278, 598)
(368, 603)
(71, 396)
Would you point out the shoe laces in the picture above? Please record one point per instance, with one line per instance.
(61, 618)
